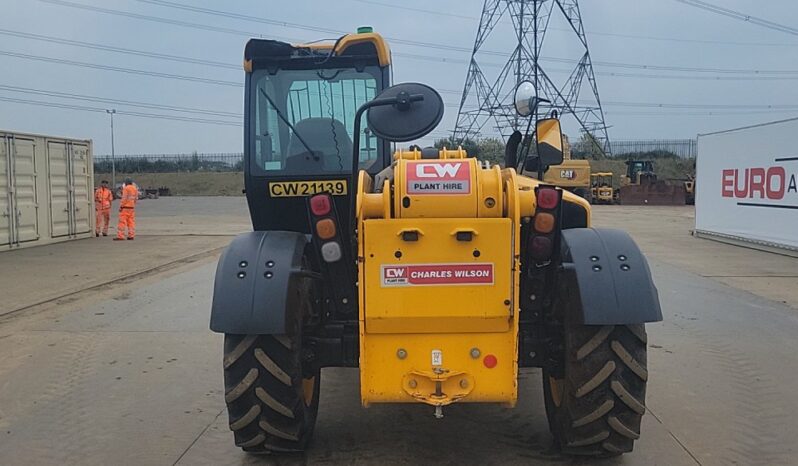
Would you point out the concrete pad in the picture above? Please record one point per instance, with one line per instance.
(664, 233)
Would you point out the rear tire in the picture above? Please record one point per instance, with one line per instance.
(272, 400)
(595, 406)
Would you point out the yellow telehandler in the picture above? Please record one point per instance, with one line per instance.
(435, 276)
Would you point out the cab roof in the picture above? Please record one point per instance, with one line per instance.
(271, 53)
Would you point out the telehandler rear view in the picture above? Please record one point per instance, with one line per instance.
(436, 277)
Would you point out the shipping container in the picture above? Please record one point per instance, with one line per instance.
(46, 191)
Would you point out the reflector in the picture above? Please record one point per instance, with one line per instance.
(490, 361)
(320, 204)
(325, 228)
(548, 198)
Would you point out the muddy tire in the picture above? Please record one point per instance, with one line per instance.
(272, 400)
(595, 405)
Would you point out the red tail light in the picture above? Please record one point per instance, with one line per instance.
(320, 204)
(548, 198)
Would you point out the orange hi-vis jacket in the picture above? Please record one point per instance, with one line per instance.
(129, 197)
(103, 198)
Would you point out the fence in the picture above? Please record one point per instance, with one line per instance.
(226, 162)
(166, 163)
(682, 148)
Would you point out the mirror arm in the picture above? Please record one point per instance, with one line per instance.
(535, 101)
(525, 145)
(401, 100)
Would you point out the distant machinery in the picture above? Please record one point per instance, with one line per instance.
(489, 100)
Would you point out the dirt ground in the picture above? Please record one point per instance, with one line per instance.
(122, 369)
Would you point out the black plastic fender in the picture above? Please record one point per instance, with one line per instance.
(251, 292)
(607, 278)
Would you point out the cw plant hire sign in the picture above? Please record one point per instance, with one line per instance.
(449, 177)
(775, 184)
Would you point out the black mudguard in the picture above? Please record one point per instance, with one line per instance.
(607, 279)
(254, 277)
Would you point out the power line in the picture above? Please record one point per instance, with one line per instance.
(286, 24)
(120, 69)
(156, 19)
(393, 40)
(708, 113)
(590, 33)
(703, 106)
(120, 112)
(227, 14)
(131, 103)
(109, 48)
(740, 16)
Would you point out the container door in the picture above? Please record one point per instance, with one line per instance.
(60, 198)
(82, 188)
(5, 192)
(25, 197)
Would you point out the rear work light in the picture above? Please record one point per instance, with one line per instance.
(548, 198)
(320, 204)
(325, 228)
(331, 252)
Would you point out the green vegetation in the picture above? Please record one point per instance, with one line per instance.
(185, 183)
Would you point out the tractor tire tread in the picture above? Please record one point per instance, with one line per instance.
(602, 398)
(266, 408)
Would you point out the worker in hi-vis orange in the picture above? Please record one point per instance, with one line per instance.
(127, 211)
(102, 207)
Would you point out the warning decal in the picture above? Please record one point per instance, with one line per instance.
(438, 177)
(437, 274)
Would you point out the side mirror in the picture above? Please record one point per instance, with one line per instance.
(525, 98)
(405, 112)
(549, 141)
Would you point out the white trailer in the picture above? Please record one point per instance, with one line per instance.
(746, 190)
(46, 189)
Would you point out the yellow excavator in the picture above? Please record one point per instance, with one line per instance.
(571, 174)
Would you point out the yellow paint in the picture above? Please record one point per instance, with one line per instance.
(404, 325)
(570, 174)
(383, 51)
(549, 132)
(438, 308)
(307, 188)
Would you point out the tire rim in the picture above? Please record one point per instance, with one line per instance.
(308, 390)
(556, 387)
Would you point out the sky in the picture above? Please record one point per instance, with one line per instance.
(716, 58)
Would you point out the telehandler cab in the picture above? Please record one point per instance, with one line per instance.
(437, 277)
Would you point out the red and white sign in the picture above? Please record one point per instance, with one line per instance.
(438, 177)
(437, 274)
(747, 185)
